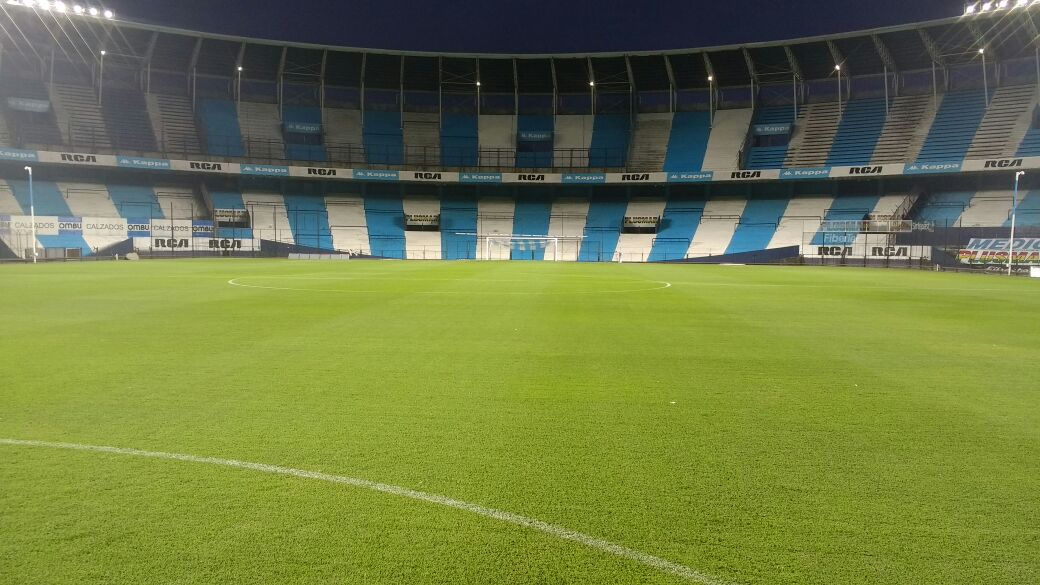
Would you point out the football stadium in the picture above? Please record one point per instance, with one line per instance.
(279, 312)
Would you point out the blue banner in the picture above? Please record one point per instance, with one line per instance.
(771, 129)
(303, 127)
(700, 177)
(480, 177)
(534, 135)
(933, 168)
(70, 226)
(138, 227)
(265, 170)
(202, 228)
(377, 175)
(19, 155)
(809, 173)
(135, 162)
(589, 178)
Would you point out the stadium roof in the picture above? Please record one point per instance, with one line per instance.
(33, 35)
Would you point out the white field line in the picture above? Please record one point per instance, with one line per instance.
(235, 282)
(550, 529)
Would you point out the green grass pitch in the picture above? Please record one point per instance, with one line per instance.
(757, 425)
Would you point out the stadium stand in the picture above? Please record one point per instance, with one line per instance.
(79, 116)
(422, 245)
(602, 230)
(174, 123)
(906, 127)
(718, 224)
(384, 217)
(495, 217)
(688, 141)
(1028, 211)
(220, 127)
(857, 136)
(531, 218)
(458, 228)
(851, 208)
(803, 215)
(343, 136)
(813, 137)
(945, 209)
(309, 221)
(758, 224)
(954, 127)
(125, 114)
(269, 216)
(459, 140)
(567, 219)
(610, 141)
(261, 123)
(728, 132)
(637, 247)
(134, 201)
(650, 142)
(383, 138)
(347, 225)
(302, 142)
(497, 140)
(987, 208)
(770, 156)
(679, 223)
(422, 135)
(572, 139)
(1005, 124)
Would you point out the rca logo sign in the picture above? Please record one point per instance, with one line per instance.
(321, 172)
(530, 177)
(745, 175)
(636, 177)
(428, 176)
(78, 158)
(866, 170)
(1004, 163)
(171, 243)
(840, 251)
(890, 251)
(205, 166)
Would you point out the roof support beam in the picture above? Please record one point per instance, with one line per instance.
(709, 68)
(839, 58)
(883, 54)
(671, 72)
(194, 61)
(750, 66)
(796, 68)
(932, 48)
(241, 55)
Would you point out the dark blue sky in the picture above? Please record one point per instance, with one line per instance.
(531, 26)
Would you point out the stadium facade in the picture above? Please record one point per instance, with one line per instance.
(891, 145)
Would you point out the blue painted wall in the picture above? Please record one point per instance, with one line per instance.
(221, 129)
(459, 141)
(136, 202)
(610, 137)
(602, 230)
(531, 218)
(956, 122)
(383, 138)
(458, 215)
(385, 219)
(858, 134)
(301, 146)
(688, 141)
(757, 225)
(309, 221)
(678, 226)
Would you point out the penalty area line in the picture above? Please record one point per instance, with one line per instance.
(560, 532)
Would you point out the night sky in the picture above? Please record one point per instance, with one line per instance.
(530, 26)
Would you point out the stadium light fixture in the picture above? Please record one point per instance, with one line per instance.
(109, 14)
(32, 212)
(60, 7)
(1014, 210)
(478, 84)
(93, 11)
(592, 84)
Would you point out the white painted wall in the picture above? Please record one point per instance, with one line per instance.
(497, 132)
(987, 209)
(717, 226)
(803, 216)
(572, 132)
(88, 199)
(347, 223)
(270, 220)
(727, 136)
(567, 218)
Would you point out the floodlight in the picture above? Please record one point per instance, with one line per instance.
(28, 3)
(837, 67)
(109, 14)
(59, 6)
(986, 6)
(44, 4)
(239, 69)
(77, 9)
(93, 11)
(971, 8)
(478, 84)
(592, 84)
(711, 78)
(103, 52)
(1002, 4)
(1021, 3)
(982, 51)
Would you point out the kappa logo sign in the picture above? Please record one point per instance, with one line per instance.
(172, 243)
(321, 172)
(427, 176)
(746, 175)
(78, 158)
(1003, 163)
(205, 166)
(866, 170)
(636, 177)
(530, 178)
